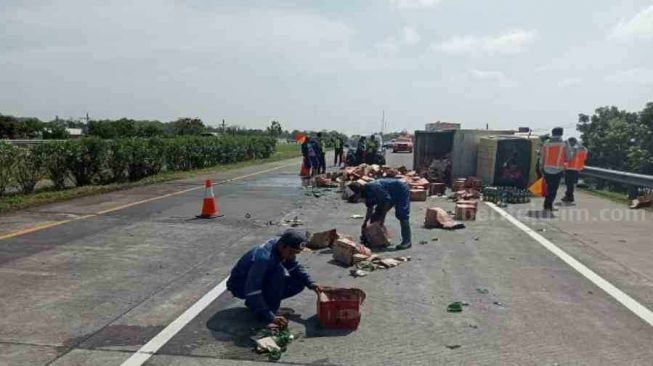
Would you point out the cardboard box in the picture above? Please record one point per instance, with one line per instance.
(439, 218)
(465, 212)
(436, 189)
(344, 249)
(418, 195)
(322, 239)
(376, 236)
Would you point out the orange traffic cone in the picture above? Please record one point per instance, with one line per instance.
(209, 207)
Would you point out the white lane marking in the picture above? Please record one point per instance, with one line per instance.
(151, 347)
(627, 301)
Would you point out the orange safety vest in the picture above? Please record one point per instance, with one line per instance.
(554, 155)
(577, 162)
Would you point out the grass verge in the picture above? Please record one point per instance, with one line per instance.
(618, 197)
(20, 201)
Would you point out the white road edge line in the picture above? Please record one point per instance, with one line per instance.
(151, 347)
(627, 301)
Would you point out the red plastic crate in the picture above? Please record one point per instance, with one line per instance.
(339, 308)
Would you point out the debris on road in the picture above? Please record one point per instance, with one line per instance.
(483, 291)
(453, 346)
(437, 189)
(499, 304)
(376, 235)
(456, 307)
(294, 222)
(375, 262)
(322, 239)
(358, 273)
(423, 242)
(465, 212)
(418, 195)
(439, 218)
(345, 248)
(356, 216)
(273, 342)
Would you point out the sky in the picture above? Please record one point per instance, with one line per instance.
(327, 64)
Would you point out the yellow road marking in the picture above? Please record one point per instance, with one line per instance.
(42, 227)
(57, 223)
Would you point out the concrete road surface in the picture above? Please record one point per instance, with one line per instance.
(399, 159)
(127, 269)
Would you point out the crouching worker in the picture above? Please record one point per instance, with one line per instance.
(270, 273)
(380, 196)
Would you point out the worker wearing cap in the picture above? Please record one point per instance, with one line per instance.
(553, 158)
(269, 273)
(576, 154)
(380, 196)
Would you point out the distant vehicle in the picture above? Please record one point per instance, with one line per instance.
(403, 144)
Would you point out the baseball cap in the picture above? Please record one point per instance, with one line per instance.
(293, 238)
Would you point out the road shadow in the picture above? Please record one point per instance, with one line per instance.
(313, 329)
(235, 325)
(238, 325)
(336, 263)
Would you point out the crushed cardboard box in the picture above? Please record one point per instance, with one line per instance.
(345, 248)
(439, 218)
(322, 239)
(376, 235)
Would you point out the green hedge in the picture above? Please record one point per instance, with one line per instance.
(96, 161)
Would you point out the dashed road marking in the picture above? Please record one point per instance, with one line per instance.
(627, 301)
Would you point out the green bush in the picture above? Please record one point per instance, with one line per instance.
(87, 159)
(117, 161)
(30, 167)
(8, 155)
(145, 157)
(56, 162)
(93, 160)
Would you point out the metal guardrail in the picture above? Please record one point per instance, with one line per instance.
(633, 179)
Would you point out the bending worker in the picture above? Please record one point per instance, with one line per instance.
(552, 162)
(380, 196)
(269, 273)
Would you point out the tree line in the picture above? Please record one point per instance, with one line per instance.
(619, 139)
(31, 128)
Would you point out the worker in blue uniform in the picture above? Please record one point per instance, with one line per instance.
(380, 196)
(269, 273)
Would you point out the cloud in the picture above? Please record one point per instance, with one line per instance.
(567, 82)
(414, 4)
(638, 27)
(492, 76)
(409, 37)
(506, 43)
(633, 76)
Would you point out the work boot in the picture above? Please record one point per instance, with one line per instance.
(406, 240)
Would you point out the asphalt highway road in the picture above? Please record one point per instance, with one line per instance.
(135, 268)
